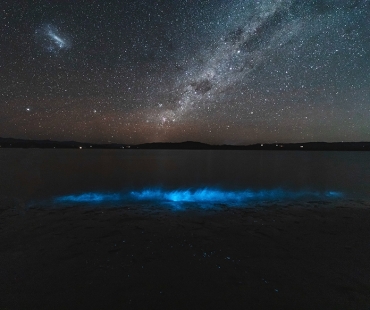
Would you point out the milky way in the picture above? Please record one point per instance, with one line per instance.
(236, 55)
(213, 71)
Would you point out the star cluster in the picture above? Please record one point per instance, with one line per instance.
(50, 39)
(235, 72)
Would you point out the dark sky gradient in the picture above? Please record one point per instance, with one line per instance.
(215, 71)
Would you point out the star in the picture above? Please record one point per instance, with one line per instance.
(145, 71)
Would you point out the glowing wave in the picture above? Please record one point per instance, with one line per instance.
(204, 195)
(89, 197)
(219, 196)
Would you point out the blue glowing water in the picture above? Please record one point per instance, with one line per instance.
(172, 178)
(222, 196)
(89, 197)
(200, 196)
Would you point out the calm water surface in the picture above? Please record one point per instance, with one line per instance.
(36, 174)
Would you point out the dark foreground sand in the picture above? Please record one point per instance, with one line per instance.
(302, 256)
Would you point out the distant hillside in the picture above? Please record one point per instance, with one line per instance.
(310, 146)
(21, 143)
(188, 145)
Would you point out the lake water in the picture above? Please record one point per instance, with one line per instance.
(119, 176)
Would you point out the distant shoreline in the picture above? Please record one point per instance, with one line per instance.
(188, 145)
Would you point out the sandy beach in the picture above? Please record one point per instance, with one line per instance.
(312, 255)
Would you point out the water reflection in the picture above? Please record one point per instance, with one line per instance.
(38, 174)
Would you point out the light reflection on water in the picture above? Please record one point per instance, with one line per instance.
(117, 177)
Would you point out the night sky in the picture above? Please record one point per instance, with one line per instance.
(214, 71)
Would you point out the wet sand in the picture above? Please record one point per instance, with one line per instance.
(295, 256)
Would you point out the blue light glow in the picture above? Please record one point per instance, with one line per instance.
(203, 196)
(220, 196)
(334, 194)
(89, 198)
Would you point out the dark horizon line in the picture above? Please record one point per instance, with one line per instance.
(190, 145)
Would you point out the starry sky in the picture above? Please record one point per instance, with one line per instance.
(214, 71)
